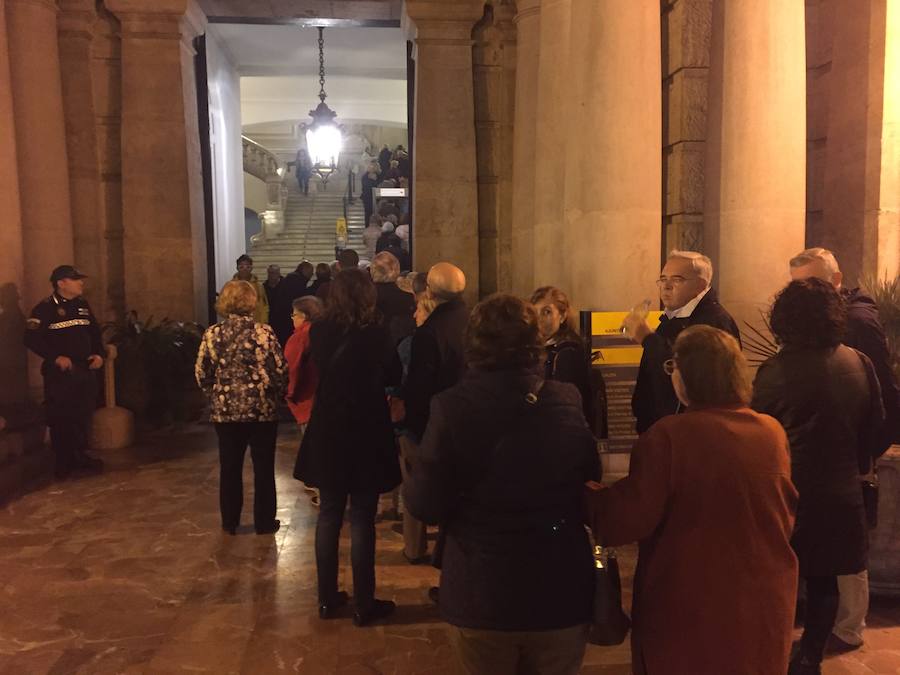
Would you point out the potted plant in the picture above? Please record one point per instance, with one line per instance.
(155, 373)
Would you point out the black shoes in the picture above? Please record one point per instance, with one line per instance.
(272, 529)
(421, 560)
(229, 530)
(378, 610)
(84, 462)
(434, 594)
(800, 666)
(329, 610)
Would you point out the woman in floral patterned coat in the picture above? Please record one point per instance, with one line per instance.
(241, 369)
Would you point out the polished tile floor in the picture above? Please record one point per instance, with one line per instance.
(128, 572)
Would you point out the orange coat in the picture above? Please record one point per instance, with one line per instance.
(710, 499)
(302, 375)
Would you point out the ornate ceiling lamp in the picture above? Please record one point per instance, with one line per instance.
(324, 138)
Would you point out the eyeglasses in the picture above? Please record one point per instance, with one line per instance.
(670, 366)
(675, 281)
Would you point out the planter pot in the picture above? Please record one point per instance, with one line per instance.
(884, 540)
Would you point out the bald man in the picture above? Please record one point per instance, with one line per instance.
(436, 364)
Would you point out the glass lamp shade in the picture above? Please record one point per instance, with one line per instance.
(324, 143)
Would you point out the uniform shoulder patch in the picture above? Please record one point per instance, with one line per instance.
(33, 324)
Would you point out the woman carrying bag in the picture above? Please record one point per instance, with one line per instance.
(710, 499)
(502, 466)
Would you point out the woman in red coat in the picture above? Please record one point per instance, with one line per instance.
(302, 375)
(710, 499)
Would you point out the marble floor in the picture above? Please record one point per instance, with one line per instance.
(128, 572)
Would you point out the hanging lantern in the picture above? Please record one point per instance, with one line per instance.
(324, 138)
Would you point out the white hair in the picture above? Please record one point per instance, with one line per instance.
(701, 264)
(818, 253)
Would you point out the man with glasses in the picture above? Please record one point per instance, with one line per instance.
(689, 300)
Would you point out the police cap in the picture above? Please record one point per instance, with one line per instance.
(65, 272)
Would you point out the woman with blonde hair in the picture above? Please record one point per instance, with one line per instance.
(241, 370)
(567, 359)
(718, 473)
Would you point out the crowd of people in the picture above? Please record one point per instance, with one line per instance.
(740, 490)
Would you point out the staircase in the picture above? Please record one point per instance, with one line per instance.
(309, 227)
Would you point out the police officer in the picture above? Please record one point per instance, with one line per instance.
(62, 330)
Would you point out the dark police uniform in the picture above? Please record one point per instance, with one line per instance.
(60, 327)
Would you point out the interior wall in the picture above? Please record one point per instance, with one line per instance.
(227, 159)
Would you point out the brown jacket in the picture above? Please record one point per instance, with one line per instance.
(710, 500)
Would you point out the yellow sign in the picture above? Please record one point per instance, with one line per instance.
(614, 348)
(610, 323)
(341, 228)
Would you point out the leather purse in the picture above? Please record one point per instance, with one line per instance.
(610, 623)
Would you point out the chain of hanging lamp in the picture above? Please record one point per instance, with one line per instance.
(322, 94)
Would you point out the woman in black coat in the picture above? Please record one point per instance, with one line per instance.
(348, 449)
(567, 359)
(827, 398)
(502, 467)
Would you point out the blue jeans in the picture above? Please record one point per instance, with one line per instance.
(363, 506)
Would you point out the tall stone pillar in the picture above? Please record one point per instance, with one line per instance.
(444, 167)
(162, 185)
(613, 200)
(13, 372)
(528, 36)
(495, 93)
(40, 141)
(862, 156)
(76, 24)
(754, 206)
(554, 99)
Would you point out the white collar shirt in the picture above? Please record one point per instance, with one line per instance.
(686, 310)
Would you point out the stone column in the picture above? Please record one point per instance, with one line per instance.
(528, 35)
(495, 92)
(613, 201)
(162, 185)
(554, 103)
(76, 24)
(444, 167)
(754, 207)
(862, 156)
(13, 364)
(40, 141)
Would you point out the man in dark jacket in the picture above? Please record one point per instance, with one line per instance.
(293, 286)
(865, 334)
(689, 300)
(436, 363)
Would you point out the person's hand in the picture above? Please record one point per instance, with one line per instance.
(635, 327)
(64, 363)
(95, 361)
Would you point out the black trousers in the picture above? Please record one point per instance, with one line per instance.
(70, 399)
(821, 609)
(362, 544)
(234, 437)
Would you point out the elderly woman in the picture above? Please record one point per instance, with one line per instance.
(567, 355)
(502, 467)
(827, 398)
(709, 497)
(395, 306)
(348, 450)
(241, 369)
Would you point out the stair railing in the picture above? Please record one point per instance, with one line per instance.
(265, 165)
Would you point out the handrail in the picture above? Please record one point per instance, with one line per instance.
(259, 161)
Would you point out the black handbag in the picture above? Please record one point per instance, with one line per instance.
(610, 623)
